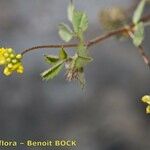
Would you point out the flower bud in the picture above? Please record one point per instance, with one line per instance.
(7, 72)
(6, 54)
(8, 60)
(146, 99)
(12, 55)
(10, 65)
(18, 56)
(148, 109)
(20, 69)
(10, 50)
(2, 62)
(14, 61)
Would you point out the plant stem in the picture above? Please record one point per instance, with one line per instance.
(145, 57)
(92, 42)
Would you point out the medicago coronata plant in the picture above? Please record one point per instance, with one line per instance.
(115, 23)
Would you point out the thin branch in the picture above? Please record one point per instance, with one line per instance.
(106, 36)
(92, 42)
(88, 44)
(48, 46)
(145, 57)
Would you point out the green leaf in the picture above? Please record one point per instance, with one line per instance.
(82, 50)
(80, 21)
(65, 32)
(63, 54)
(81, 61)
(138, 34)
(82, 57)
(51, 59)
(53, 71)
(71, 9)
(138, 12)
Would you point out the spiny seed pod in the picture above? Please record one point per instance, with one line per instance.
(112, 18)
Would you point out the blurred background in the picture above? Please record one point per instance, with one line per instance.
(107, 115)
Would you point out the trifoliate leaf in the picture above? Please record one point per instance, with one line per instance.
(138, 12)
(80, 21)
(138, 34)
(63, 54)
(51, 59)
(81, 61)
(53, 71)
(70, 11)
(65, 32)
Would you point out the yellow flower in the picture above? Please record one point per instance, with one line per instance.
(2, 57)
(146, 99)
(10, 61)
(148, 109)
(10, 68)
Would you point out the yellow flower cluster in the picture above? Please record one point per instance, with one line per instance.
(11, 61)
(146, 99)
